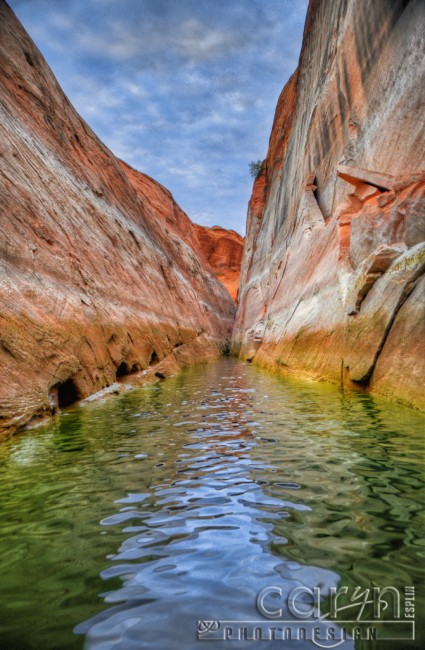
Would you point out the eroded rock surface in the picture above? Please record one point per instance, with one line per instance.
(223, 251)
(100, 276)
(332, 281)
(220, 249)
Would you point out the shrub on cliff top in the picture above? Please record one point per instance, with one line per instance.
(255, 168)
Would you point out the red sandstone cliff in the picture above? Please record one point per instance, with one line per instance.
(332, 282)
(163, 205)
(99, 271)
(223, 251)
(220, 249)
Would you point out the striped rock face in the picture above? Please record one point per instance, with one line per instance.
(332, 281)
(101, 275)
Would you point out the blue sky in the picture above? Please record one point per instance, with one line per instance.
(184, 90)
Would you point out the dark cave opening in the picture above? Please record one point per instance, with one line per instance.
(67, 393)
(124, 369)
(154, 358)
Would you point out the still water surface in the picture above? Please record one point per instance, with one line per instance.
(124, 523)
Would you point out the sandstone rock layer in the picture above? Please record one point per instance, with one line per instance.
(332, 280)
(100, 276)
(223, 251)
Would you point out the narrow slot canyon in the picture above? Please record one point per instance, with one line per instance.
(212, 432)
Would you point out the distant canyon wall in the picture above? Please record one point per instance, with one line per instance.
(332, 281)
(220, 249)
(223, 251)
(100, 270)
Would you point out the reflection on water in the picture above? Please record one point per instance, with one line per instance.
(182, 501)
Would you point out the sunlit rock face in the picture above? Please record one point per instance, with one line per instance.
(163, 206)
(100, 275)
(220, 249)
(332, 281)
(223, 251)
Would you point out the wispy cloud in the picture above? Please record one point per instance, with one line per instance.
(183, 90)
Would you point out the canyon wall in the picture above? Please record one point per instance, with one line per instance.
(223, 251)
(100, 276)
(220, 249)
(332, 281)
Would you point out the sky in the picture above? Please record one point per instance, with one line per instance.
(183, 90)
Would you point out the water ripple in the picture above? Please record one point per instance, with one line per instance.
(187, 498)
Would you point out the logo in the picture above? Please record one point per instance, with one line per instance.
(328, 620)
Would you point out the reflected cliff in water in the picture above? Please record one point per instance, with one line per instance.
(181, 502)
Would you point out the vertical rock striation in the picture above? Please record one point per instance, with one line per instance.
(332, 280)
(99, 271)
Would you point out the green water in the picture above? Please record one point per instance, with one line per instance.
(125, 522)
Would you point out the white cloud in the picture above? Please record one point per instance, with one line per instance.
(184, 90)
